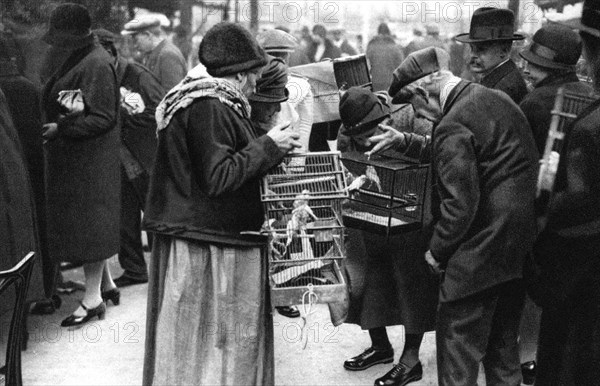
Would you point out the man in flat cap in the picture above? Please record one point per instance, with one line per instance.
(141, 92)
(161, 57)
(490, 39)
(484, 166)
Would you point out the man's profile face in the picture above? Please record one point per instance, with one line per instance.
(486, 56)
(425, 106)
(142, 42)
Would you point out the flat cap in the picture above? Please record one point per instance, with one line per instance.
(140, 24)
(275, 40)
(417, 65)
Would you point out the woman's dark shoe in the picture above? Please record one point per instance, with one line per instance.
(289, 311)
(90, 313)
(401, 375)
(370, 357)
(528, 371)
(46, 306)
(114, 295)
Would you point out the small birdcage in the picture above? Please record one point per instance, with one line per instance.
(386, 193)
(352, 71)
(302, 200)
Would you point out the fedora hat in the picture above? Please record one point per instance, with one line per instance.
(589, 21)
(555, 47)
(490, 24)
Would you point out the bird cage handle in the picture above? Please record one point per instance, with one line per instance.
(312, 298)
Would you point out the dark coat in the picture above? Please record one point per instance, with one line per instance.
(384, 55)
(331, 51)
(390, 283)
(167, 63)
(205, 182)
(568, 252)
(507, 78)
(138, 131)
(24, 102)
(18, 230)
(83, 176)
(485, 165)
(538, 104)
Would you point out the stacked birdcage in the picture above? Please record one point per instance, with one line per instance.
(302, 200)
(387, 194)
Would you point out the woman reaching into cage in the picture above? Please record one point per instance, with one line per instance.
(389, 281)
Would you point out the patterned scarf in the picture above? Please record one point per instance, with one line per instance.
(197, 84)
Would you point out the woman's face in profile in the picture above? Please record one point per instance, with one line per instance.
(264, 112)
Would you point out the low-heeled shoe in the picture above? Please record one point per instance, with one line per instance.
(74, 320)
(289, 311)
(368, 358)
(528, 372)
(401, 375)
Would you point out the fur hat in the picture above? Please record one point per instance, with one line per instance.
(555, 47)
(228, 48)
(69, 27)
(361, 110)
(270, 87)
(417, 65)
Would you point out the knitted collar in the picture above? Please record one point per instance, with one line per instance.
(199, 84)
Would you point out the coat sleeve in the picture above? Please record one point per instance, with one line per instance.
(458, 186)
(99, 88)
(221, 165)
(537, 116)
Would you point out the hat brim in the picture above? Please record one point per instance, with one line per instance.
(265, 98)
(576, 24)
(465, 38)
(69, 41)
(543, 62)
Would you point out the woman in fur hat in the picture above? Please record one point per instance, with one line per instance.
(209, 320)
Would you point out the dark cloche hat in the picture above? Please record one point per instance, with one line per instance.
(590, 19)
(490, 24)
(554, 46)
(417, 65)
(361, 109)
(270, 87)
(70, 27)
(228, 48)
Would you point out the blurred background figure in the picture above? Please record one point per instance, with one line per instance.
(432, 38)
(298, 55)
(384, 55)
(141, 92)
(161, 56)
(321, 46)
(340, 41)
(83, 183)
(417, 43)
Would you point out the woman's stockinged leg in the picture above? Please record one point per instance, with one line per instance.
(410, 354)
(93, 279)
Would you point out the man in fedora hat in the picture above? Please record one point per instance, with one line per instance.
(484, 166)
(568, 249)
(161, 56)
(490, 39)
(141, 92)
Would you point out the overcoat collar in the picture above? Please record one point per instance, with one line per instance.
(491, 79)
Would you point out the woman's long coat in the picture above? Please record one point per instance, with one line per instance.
(83, 176)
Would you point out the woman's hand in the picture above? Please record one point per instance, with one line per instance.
(286, 140)
(389, 138)
(50, 131)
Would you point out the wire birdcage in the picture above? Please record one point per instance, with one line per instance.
(387, 194)
(302, 201)
(352, 71)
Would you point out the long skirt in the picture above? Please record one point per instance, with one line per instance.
(209, 319)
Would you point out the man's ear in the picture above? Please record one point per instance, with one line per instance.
(239, 76)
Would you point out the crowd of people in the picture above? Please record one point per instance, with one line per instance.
(109, 138)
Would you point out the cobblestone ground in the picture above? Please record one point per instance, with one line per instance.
(110, 351)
